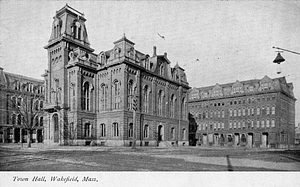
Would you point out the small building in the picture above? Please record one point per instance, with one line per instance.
(252, 113)
(17, 90)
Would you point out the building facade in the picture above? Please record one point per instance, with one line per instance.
(16, 91)
(253, 113)
(90, 98)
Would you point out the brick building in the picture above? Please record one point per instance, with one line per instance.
(90, 97)
(16, 90)
(253, 113)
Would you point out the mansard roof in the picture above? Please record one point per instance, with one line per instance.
(275, 84)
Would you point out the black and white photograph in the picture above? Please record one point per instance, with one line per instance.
(149, 93)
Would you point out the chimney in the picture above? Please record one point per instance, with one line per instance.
(154, 50)
(165, 55)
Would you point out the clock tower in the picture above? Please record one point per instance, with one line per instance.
(68, 34)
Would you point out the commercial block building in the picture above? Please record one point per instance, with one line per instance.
(90, 97)
(17, 90)
(253, 113)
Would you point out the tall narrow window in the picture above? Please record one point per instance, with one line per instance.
(160, 102)
(258, 111)
(13, 119)
(130, 94)
(41, 121)
(36, 121)
(273, 123)
(102, 130)
(116, 92)
(87, 130)
(103, 98)
(183, 109)
(268, 123)
(162, 70)
(146, 99)
(172, 106)
(273, 110)
(130, 130)
(146, 131)
(268, 110)
(86, 96)
(115, 129)
(172, 134)
(13, 100)
(183, 134)
(19, 120)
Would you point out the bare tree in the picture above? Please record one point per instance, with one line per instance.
(155, 136)
(28, 111)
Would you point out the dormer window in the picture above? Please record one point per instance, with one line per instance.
(237, 90)
(265, 86)
(161, 70)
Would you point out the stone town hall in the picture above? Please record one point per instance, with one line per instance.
(89, 98)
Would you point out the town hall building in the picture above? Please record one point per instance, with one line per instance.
(91, 99)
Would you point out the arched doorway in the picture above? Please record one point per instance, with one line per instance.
(160, 132)
(55, 127)
(250, 140)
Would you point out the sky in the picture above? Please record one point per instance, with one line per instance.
(233, 40)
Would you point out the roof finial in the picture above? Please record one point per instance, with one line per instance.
(124, 35)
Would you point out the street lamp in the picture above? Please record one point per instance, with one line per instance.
(280, 59)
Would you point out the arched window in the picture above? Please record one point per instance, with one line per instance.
(257, 124)
(103, 97)
(13, 101)
(130, 92)
(234, 124)
(263, 111)
(36, 121)
(262, 123)
(146, 99)
(13, 119)
(234, 112)
(102, 130)
(268, 110)
(146, 131)
(87, 130)
(172, 134)
(183, 134)
(161, 70)
(230, 125)
(172, 106)
(130, 130)
(86, 96)
(115, 129)
(230, 112)
(258, 111)
(36, 105)
(41, 121)
(273, 110)
(19, 120)
(239, 112)
(183, 109)
(41, 105)
(160, 102)
(273, 123)
(116, 94)
(268, 123)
